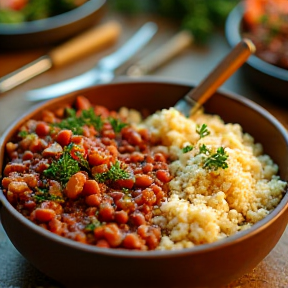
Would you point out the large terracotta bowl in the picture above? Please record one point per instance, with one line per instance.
(210, 265)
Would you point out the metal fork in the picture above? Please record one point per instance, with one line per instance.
(104, 70)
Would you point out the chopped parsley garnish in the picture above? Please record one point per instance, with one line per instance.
(42, 194)
(62, 169)
(90, 118)
(71, 122)
(90, 227)
(94, 224)
(115, 173)
(204, 150)
(23, 134)
(82, 161)
(75, 123)
(216, 160)
(77, 152)
(187, 149)
(116, 124)
(202, 130)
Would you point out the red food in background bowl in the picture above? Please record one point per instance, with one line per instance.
(50, 30)
(215, 264)
(267, 69)
(265, 23)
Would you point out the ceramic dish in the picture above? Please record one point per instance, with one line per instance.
(268, 78)
(208, 265)
(51, 30)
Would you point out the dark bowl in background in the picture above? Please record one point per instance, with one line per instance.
(209, 265)
(267, 78)
(51, 30)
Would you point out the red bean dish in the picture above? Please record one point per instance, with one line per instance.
(168, 182)
(97, 188)
(265, 23)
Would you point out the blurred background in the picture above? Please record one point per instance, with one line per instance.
(199, 17)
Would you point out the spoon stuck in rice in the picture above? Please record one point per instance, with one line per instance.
(192, 101)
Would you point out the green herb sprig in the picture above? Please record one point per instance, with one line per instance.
(115, 173)
(82, 161)
(216, 160)
(116, 124)
(202, 130)
(187, 149)
(204, 150)
(75, 123)
(89, 118)
(23, 134)
(42, 194)
(93, 225)
(64, 168)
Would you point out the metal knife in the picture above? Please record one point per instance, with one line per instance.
(90, 41)
(149, 63)
(104, 70)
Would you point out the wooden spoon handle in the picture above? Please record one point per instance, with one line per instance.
(86, 43)
(236, 58)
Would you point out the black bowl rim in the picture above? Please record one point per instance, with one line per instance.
(233, 36)
(53, 22)
(122, 253)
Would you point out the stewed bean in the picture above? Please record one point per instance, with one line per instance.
(44, 215)
(64, 137)
(82, 103)
(42, 129)
(93, 200)
(97, 181)
(106, 212)
(91, 187)
(75, 185)
(121, 217)
(132, 241)
(142, 180)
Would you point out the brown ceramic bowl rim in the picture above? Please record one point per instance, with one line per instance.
(52, 22)
(122, 253)
(233, 36)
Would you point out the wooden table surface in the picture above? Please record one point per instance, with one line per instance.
(193, 64)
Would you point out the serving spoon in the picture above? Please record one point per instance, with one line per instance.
(196, 97)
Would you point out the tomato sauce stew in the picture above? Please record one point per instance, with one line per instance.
(88, 175)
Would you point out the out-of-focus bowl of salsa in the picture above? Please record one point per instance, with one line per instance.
(265, 23)
(30, 23)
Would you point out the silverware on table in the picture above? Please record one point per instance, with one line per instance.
(149, 63)
(90, 41)
(102, 72)
(192, 101)
(162, 55)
